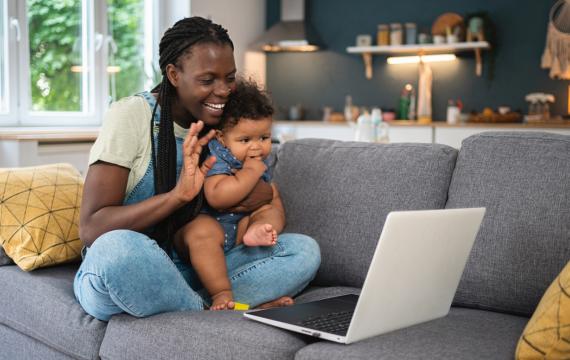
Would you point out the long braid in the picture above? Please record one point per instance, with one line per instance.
(176, 43)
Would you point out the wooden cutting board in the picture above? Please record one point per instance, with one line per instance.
(445, 20)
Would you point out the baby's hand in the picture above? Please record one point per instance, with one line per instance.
(255, 164)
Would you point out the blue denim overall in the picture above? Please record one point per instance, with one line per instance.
(126, 271)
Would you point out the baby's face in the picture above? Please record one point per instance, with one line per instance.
(248, 138)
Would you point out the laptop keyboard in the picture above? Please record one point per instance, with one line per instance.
(334, 323)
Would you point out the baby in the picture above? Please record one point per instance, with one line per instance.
(241, 147)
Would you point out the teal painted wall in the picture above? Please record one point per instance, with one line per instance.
(325, 77)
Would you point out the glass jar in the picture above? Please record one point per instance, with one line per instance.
(396, 34)
(411, 33)
(383, 36)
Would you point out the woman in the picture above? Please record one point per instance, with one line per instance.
(145, 182)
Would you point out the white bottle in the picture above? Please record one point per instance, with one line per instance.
(365, 128)
(376, 118)
(348, 109)
(452, 113)
(380, 127)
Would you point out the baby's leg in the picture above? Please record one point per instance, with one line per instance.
(241, 229)
(201, 242)
(259, 232)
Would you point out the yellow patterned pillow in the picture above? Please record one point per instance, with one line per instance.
(547, 334)
(39, 214)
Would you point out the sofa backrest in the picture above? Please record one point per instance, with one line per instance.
(341, 192)
(523, 179)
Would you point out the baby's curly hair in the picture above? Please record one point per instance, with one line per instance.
(248, 101)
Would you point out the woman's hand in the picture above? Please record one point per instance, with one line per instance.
(192, 175)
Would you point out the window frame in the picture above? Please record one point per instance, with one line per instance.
(9, 117)
(20, 111)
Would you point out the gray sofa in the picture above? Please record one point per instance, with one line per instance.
(340, 193)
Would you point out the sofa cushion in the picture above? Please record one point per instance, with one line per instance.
(547, 334)
(4, 259)
(197, 335)
(15, 345)
(523, 179)
(41, 305)
(463, 334)
(39, 214)
(341, 192)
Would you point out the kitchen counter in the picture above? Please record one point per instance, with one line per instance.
(409, 131)
(435, 124)
(64, 134)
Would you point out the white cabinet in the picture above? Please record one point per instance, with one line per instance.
(454, 135)
(289, 130)
(411, 133)
(17, 153)
(39, 146)
(404, 131)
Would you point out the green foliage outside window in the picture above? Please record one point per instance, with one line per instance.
(125, 19)
(55, 49)
(54, 31)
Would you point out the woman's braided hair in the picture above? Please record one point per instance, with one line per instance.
(176, 43)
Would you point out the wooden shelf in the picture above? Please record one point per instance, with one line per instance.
(419, 49)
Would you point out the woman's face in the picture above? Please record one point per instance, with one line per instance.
(203, 80)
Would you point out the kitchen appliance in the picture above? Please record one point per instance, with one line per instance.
(292, 33)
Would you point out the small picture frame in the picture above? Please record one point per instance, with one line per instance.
(364, 40)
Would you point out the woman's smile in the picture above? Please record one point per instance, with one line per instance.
(216, 109)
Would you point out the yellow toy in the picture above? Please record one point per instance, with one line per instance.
(240, 306)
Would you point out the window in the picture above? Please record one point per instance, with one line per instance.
(63, 62)
(4, 100)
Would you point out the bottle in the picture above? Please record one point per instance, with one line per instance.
(412, 109)
(380, 127)
(411, 33)
(348, 109)
(383, 36)
(376, 118)
(365, 128)
(396, 34)
(452, 113)
(404, 103)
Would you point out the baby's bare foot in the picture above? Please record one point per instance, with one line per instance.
(260, 235)
(282, 301)
(222, 301)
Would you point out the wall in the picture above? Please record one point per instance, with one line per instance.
(245, 22)
(325, 77)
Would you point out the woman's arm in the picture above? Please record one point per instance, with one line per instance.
(225, 191)
(102, 208)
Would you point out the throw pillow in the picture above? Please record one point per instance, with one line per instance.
(547, 334)
(39, 214)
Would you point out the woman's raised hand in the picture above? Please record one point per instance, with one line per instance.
(192, 175)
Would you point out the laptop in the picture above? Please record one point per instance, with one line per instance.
(413, 276)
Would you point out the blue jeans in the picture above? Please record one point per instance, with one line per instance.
(126, 271)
